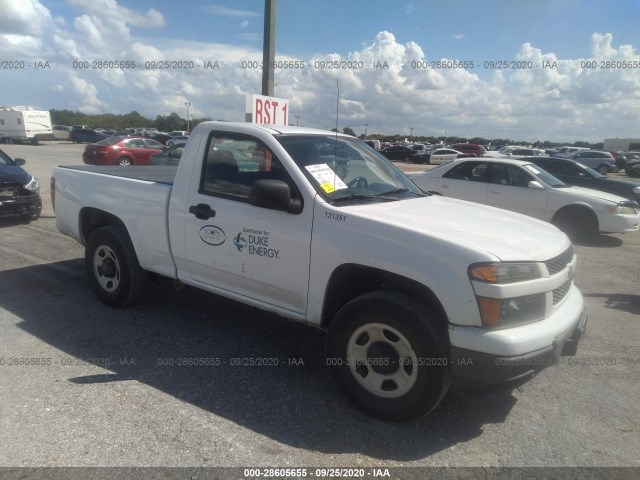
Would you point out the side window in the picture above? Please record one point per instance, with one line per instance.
(19, 121)
(135, 143)
(504, 174)
(472, 171)
(233, 162)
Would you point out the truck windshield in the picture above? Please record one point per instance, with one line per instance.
(342, 168)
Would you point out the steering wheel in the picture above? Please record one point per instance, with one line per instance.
(359, 182)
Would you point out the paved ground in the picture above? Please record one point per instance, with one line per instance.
(82, 384)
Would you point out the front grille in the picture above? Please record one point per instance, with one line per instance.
(561, 292)
(8, 191)
(559, 263)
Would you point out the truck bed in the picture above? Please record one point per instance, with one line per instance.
(149, 173)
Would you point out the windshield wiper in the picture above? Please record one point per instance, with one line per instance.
(399, 190)
(356, 196)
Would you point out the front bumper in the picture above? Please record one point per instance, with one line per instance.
(477, 370)
(25, 205)
(618, 223)
(485, 359)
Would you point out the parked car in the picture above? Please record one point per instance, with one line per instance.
(61, 132)
(121, 151)
(168, 156)
(575, 173)
(523, 187)
(602, 162)
(163, 138)
(474, 148)
(445, 155)
(19, 191)
(398, 152)
(86, 135)
(174, 140)
(526, 152)
(375, 144)
(179, 133)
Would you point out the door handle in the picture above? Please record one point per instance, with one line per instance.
(202, 211)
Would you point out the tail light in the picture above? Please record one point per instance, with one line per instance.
(52, 187)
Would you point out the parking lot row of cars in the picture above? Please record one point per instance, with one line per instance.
(84, 134)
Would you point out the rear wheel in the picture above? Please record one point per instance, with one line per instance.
(112, 267)
(389, 355)
(125, 162)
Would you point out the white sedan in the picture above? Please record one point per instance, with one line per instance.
(445, 155)
(523, 187)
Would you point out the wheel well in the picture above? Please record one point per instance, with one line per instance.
(91, 219)
(350, 281)
(574, 209)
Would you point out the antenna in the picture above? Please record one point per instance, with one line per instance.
(335, 145)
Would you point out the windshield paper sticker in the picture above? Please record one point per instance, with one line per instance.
(326, 177)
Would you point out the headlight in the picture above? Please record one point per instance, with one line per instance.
(502, 273)
(636, 190)
(32, 185)
(497, 312)
(622, 209)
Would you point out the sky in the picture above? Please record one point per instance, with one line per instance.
(570, 73)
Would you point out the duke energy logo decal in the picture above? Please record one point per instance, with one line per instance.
(212, 235)
(240, 242)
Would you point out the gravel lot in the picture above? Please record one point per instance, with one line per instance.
(98, 391)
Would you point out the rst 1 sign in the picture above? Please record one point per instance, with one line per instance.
(267, 110)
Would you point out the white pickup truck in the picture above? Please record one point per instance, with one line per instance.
(416, 292)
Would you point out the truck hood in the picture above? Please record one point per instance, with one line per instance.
(506, 235)
(13, 174)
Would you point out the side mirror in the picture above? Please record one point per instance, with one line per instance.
(274, 195)
(19, 161)
(535, 185)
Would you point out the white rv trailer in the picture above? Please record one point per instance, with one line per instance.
(25, 124)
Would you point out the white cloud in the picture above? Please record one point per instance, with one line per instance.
(24, 17)
(565, 102)
(244, 23)
(110, 9)
(458, 36)
(230, 12)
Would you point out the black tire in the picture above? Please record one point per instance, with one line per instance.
(406, 159)
(125, 162)
(577, 224)
(112, 267)
(398, 323)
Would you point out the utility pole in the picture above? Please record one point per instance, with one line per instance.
(365, 130)
(268, 47)
(188, 105)
(411, 135)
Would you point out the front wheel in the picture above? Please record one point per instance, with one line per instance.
(389, 355)
(111, 265)
(576, 224)
(603, 170)
(125, 162)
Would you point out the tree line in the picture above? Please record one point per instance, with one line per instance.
(110, 121)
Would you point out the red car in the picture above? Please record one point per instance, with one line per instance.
(121, 151)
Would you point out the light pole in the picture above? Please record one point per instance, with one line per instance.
(297, 119)
(445, 137)
(411, 135)
(188, 105)
(365, 130)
